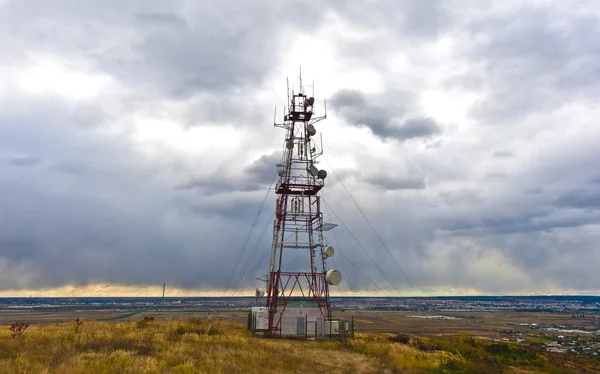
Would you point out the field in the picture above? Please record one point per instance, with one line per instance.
(479, 324)
(180, 343)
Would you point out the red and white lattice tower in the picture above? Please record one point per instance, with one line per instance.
(298, 281)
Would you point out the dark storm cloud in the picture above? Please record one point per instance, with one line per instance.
(15, 249)
(264, 168)
(580, 199)
(109, 215)
(490, 225)
(360, 110)
(417, 128)
(95, 210)
(256, 176)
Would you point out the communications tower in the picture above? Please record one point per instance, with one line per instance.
(297, 292)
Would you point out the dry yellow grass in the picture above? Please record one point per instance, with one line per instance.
(191, 347)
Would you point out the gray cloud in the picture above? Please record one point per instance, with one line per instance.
(532, 63)
(263, 169)
(23, 161)
(390, 183)
(358, 109)
(580, 199)
(71, 167)
(107, 202)
(503, 154)
(175, 49)
(415, 18)
(256, 176)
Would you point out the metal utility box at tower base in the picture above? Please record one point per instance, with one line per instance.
(259, 319)
(294, 314)
(300, 321)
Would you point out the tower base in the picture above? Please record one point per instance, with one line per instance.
(298, 318)
(302, 320)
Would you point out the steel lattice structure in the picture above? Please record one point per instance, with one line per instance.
(298, 224)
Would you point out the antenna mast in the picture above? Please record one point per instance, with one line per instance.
(298, 291)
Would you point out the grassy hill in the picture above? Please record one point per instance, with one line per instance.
(195, 345)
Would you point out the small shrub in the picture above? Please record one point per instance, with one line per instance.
(479, 367)
(212, 330)
(466, 339)
(17, 330)
(506, 352)
(78, 324)
(424, 346)
(420, 345)
(400, 338)
(142, 323)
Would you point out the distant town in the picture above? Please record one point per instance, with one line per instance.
(579, 305)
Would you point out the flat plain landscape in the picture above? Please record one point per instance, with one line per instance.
(559, 335)
(481, 324)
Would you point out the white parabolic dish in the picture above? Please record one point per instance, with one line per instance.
(333, 276)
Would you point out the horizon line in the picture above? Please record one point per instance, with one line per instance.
(336, 296)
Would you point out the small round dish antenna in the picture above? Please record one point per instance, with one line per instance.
(333, 277)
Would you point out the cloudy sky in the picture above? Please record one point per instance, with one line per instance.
(137, 142)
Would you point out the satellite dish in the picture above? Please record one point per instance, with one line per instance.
(310, 101)
(313, 171)
(322, 174)
(311, 130)
(333, 277)
(281, 172)
(260, 292)
(328, 251)
(290, 144)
